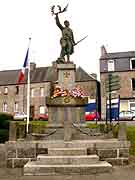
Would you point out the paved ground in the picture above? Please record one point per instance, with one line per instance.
(118, 173)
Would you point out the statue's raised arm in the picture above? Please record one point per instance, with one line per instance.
(58, 22)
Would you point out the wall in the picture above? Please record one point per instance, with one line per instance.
(120, 64)
(2, 156)
(21, 98)
(19, 153)
(124, 92)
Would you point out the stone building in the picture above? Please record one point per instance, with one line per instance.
(13, 97)
(123, 65)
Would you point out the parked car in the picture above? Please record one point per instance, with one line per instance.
(91, 116)
(42, 117)
(127, 115)
(20, 116)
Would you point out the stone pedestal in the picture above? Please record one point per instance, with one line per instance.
(64, 111)
(61, 109)
(66, 75)
(68, 125)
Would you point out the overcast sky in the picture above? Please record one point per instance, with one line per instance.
(108, 22)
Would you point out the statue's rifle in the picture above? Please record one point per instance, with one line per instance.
(80, 40)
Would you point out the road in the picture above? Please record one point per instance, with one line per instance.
(118, 173)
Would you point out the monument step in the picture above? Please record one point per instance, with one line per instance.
(84, 159)
(35, 169)
(67, 151)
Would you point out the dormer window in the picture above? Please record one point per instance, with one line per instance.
(132, 63)
(111, 65)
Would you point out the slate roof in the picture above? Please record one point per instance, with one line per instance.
(40, 74)
(82, 75)
(117, 55)
(8, 77)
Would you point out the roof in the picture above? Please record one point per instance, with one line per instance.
(82, 75)
(40, 74)
(8, 77)
(117, 55)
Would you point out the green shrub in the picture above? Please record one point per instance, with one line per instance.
(4, 126)
(4, 135)
(4, 120)
(6, 116)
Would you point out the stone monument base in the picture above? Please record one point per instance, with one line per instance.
(113, 151)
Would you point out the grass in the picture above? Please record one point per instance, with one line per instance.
(93, 126)
(131, 138)
(33, 123)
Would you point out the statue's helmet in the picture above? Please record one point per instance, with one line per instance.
(66, 23)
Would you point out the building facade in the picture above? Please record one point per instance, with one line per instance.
(121, 64)
(13, 97)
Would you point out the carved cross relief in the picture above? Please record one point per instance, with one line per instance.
(66, 74)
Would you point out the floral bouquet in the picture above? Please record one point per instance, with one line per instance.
(78, 92)
(75, 92)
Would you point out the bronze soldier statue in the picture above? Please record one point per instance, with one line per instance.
(67, 40)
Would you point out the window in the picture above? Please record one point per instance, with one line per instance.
(32, 92)
(5, 106)
(110, 65)
(132, 63)
(17, 90)
(42, 92)
(42, 109)
(6, 90)
(132, 106)
(16, 107)
(133, 84)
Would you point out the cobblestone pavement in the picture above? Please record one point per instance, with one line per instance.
(118, 173)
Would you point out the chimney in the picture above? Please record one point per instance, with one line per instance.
(103, 51)
(32, 66)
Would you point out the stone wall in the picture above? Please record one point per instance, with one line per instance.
(2, 156)
(19, 153)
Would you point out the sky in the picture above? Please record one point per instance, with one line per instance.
(106, 22)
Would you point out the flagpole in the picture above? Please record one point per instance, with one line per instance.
(28, 93)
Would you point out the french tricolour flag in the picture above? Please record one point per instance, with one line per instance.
(22, 72)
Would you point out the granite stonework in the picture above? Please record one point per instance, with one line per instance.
(110, 150)
(66, 75)
(65, 110)
(66, 139)
(2, 156)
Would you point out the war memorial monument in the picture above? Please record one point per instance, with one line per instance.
(67, 145)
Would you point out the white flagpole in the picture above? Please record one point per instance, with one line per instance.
(28, 93)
